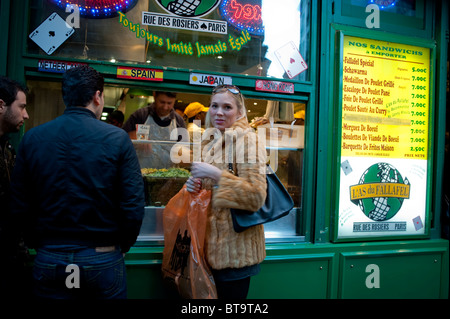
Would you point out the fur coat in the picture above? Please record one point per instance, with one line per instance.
(246, 189)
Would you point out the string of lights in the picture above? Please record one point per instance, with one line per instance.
(97, 8)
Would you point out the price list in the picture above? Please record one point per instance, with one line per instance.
(419, 111)
(385, 99)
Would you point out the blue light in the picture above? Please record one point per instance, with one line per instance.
(97, 9)
(377, 2)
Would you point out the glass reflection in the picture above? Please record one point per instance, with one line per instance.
(277, 34)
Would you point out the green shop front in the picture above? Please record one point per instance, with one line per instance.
(355, 89)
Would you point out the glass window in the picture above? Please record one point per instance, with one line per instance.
(253, 37)
(402, 7)
(45, 103)
(400, 16)
(162, 181)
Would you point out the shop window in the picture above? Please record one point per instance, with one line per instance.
(286, 156)
(164, 178)
(252, 37)
(400, 7)
(45, 103)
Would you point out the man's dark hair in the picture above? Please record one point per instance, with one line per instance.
(80, 84)
(116, 115)
(169, 94)
(9, 89)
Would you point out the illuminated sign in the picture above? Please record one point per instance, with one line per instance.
(385, 114)
(56, 66)
(139, 74)
(232, 44)
(97, 8)
(274, 86)
(384, 149)
(191, 24)
(243, 15)
(188, 8)
(208, 79)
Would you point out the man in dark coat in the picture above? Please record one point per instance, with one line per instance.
(13, 254)
(78, 186)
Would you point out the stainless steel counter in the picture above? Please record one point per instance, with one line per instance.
(284, 229)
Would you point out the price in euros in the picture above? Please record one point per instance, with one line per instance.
(414, 113)
(415, 122)
(417, 149)
(414, 69)
(417, 140)
(413, 104)
(418, 96)
(419, 78)
(417, 131)
(419, 87)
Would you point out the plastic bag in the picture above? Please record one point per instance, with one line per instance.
(184, 265)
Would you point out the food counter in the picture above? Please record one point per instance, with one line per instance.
(163, 179)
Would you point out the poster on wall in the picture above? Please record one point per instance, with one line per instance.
(385, 134)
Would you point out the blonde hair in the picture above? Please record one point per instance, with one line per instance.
(238, 98)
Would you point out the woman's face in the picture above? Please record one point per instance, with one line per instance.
(223, 110)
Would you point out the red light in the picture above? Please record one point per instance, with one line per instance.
(243, 14)
(246, 11)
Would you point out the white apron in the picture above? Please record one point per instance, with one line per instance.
(159, 155)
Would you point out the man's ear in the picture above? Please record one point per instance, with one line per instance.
(2, 106)
(97, 97)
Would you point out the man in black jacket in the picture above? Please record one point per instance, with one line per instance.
(77, 184)
(13, 254)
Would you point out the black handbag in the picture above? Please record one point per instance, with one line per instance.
(278, 204)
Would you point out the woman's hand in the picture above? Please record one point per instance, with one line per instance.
(205, 170)
(193, 185)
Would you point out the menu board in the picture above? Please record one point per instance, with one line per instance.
(384, 138)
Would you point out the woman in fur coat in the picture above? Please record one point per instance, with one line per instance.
(234, 257)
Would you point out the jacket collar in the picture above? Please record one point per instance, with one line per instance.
(242, 123)
(239, 129)
(79, 110)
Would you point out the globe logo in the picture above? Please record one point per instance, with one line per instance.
(380, 192)
(188, 8)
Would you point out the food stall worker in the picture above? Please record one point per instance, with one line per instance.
(195, 112)
(160, 115)
(163, 119)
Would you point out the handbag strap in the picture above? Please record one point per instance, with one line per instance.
(230, 161)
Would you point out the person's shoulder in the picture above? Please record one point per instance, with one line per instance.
(143, 111)
(180, 120)
(242, 127)
(137, 117)
(112, 129)
(42, 129)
